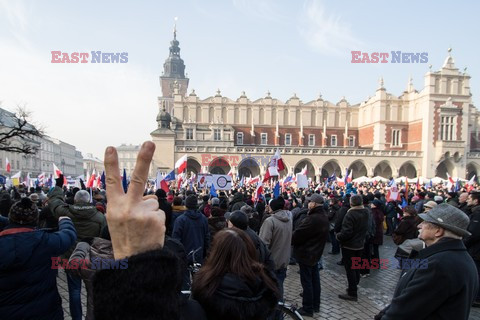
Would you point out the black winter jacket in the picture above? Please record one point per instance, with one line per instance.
(354, 228)
(235, 299)
(445, 289)
(310, 236)
(473, 242)
(148, 289)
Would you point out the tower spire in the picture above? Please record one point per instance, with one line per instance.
(175, 28)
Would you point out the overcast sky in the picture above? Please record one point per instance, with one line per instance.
(286, 47)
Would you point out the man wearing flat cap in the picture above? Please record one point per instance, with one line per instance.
(308, 242)
(447, 286)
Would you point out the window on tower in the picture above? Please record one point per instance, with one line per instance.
(396, 138)
(447, 128)
(311, 140)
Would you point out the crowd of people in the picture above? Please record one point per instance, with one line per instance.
(244, 245)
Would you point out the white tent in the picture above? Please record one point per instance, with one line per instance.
(378, 178)
(360, 179)
(438, 180)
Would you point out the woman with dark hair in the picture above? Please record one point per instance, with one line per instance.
(232, 284)
(407, 228)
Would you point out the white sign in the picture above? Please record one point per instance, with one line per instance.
(302, 181)
(222, 181)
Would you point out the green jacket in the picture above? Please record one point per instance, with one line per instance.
(88, 221)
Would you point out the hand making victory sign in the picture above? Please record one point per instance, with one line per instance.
(135, 222)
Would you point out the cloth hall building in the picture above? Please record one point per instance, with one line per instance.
(426, 133)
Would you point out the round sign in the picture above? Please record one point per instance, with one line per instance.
(222, 182)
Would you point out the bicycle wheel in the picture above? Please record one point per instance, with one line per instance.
(288, 311)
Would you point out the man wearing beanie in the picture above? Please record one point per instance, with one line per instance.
(276, 233)
(444, 284)
(27, 280)
(352, 240)
(88, 222)
(308, 242)
(191, 229)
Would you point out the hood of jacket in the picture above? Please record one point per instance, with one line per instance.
(83, 210)
(193, 214)
(235, 288)
(282, 215)
(237, 198)
(17, 249)
(179, 208)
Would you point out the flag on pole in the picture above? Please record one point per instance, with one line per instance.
(181, 164)
(347, 179)
(304, 171)
(213, 191)
(450, 179)
(271, 172)
(258, 191)
(91, 180)
(102, 179)
(276, 190)
(457, 185)
(56, 172)
(8, 167)
(162, 183)
(278, 162)
(393, 193)
(406, 187)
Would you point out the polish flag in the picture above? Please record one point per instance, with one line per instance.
(98, 183)
(304, 171)
(8, 166)
(230, 173)
(470, 183)
(161, 183)
(278, 161)
(271, 172)
(254, 180)
(56, 172)
(258, 191)
(393, 193)
(180, 180)
(91, 180)
(181, 164)
(450, 179)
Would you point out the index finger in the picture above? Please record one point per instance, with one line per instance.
(112, 174)
(140, 173)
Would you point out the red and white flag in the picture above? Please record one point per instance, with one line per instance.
(271, 172)
(56, 172)
(161, 183)
(450, 179)
(8, 167)
(254, 180)
(278, 161)
(181, 164)
(304, 171)
(230, 173)
(91, 180)
(258, 191)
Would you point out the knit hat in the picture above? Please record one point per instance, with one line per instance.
(24, 212)
(277, 204)
(161, 194)
(448, 217)
(356, 200)
(438, 199)
(377, 203)
(215, 202)
(316, 198)
(191, 202)
(430, 204)
(239, 219)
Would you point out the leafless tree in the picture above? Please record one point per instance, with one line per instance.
(17, 133)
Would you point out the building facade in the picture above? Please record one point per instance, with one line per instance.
(427, 133)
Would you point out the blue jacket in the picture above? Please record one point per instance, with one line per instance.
(191, 229)
(27, 281)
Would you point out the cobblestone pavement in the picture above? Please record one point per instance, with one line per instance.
(374, 293)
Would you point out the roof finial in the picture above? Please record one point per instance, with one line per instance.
(175, 29)
(380, 83)
(449, 50)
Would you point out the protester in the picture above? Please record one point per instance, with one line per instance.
(192, 230)
(166, 207)
(473, 241)
(308, 241)
(446, 286)
(232, 284)
(352, 238)
(27, 280)
(407, 228)
(88, 222)
(276, 233)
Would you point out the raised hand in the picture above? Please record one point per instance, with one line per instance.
(135, 223)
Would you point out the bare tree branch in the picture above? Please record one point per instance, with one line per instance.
(17, 133)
